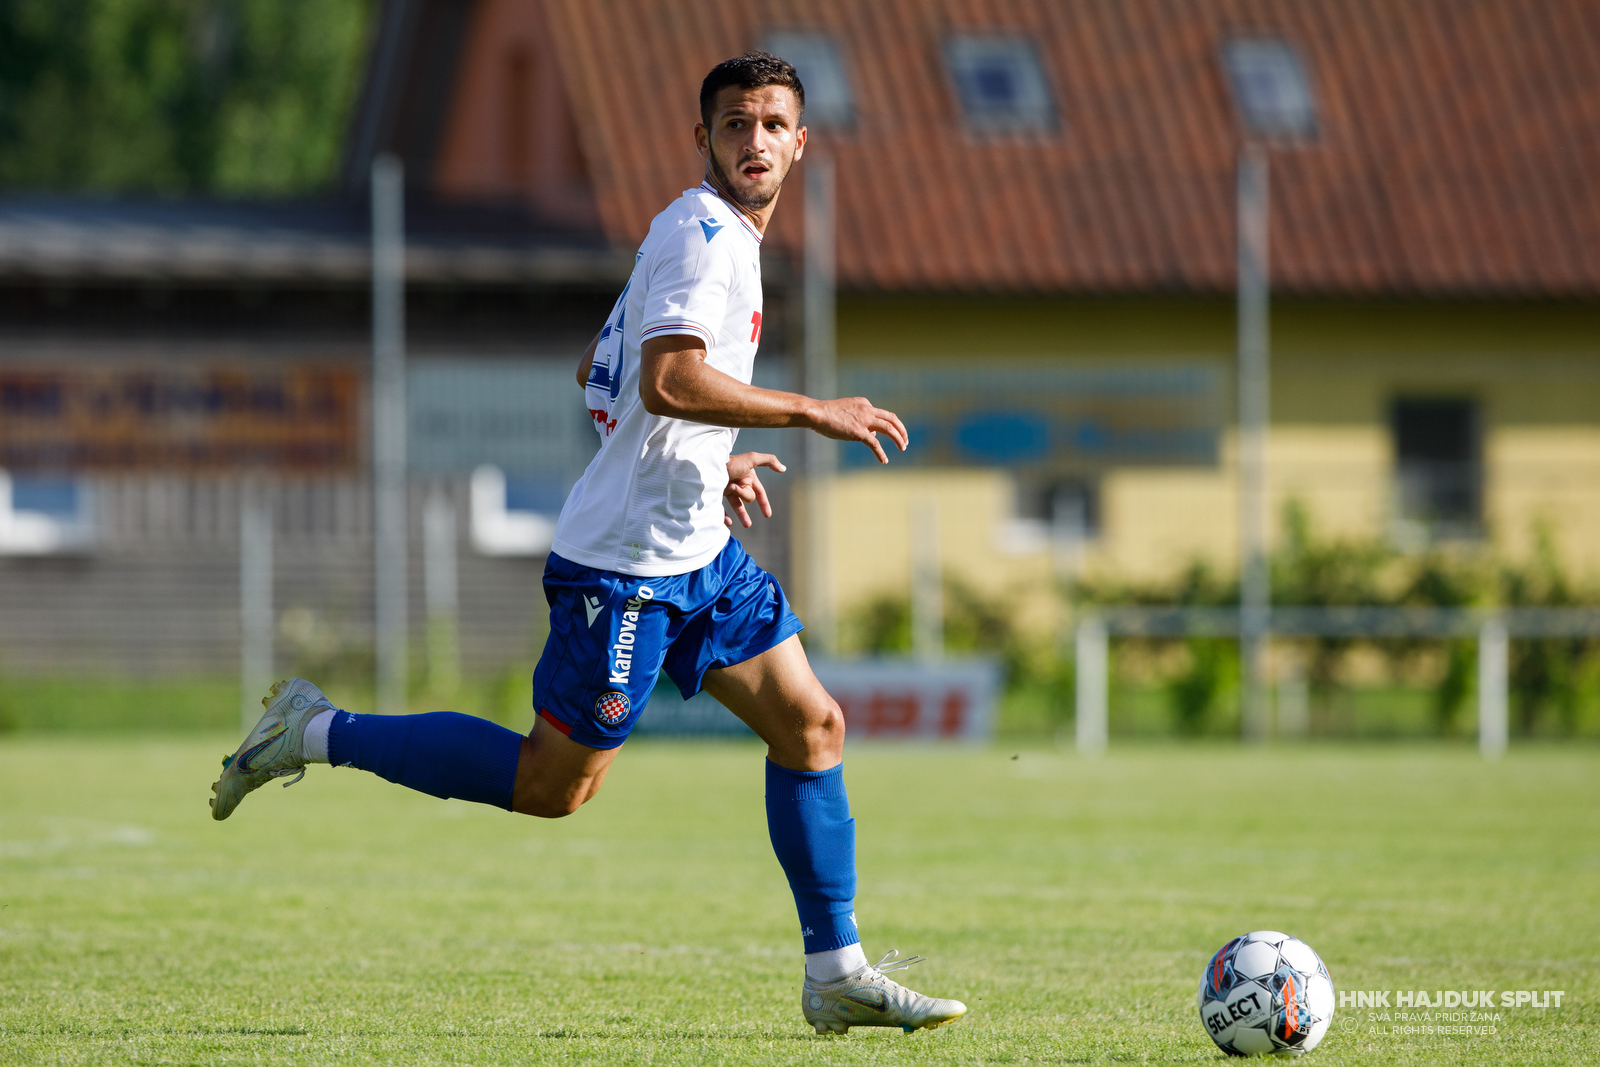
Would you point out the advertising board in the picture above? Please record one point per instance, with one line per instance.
(882, 699)
(304, 420)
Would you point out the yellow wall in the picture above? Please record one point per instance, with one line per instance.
(871, 524)
(1546, 476)
(1533, 368)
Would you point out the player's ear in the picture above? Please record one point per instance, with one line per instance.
(702, 140)
(800, 143)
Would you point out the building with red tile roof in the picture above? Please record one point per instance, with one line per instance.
(1453, 152)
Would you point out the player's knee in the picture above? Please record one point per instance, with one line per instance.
(551, 807)
(556, 804)
(825, 733)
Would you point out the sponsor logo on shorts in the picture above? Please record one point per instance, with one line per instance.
(611, 708)
(622, 650)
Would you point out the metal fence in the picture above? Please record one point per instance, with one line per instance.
(1492, 628)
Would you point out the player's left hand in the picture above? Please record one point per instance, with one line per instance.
(744, 487)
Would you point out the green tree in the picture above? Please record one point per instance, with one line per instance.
(222, 96)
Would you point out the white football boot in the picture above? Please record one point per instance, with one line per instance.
(867, 998)
(272, 749)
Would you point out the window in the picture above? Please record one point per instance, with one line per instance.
(55, 497)
(1438, 476)
(1000, 83)
(1270, 88)
(1052, 514)
(42, 515)
(829, 101)
(1070, 508)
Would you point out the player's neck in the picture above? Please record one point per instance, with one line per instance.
(758, 219)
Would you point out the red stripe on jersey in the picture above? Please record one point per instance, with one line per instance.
(557, 723)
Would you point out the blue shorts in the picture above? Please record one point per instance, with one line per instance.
(611, 634)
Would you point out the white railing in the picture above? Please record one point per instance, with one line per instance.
(1493, 628)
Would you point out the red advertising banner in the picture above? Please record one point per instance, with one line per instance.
(884, 699)
(295, 419)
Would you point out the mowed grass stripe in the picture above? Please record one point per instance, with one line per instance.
(1072, 904)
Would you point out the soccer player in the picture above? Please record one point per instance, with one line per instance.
(644, 576)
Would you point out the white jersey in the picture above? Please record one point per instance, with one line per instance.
(650, 502)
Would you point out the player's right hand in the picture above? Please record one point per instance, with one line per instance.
(744, 487)
(855, 419)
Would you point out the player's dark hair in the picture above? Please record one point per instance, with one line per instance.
(753, 70)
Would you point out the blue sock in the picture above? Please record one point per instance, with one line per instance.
(808, 816)
(443, 753)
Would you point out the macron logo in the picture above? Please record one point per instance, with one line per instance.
(591, 605)
(711, 226)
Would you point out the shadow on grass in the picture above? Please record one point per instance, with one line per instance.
(662, 1036)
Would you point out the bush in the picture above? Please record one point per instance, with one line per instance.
(1555, 682)
(1552, 679)
(973, 623)
(1196, 694)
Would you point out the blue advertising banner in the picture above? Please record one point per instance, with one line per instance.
(990, 414)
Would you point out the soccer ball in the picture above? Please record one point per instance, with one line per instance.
(1266, 992)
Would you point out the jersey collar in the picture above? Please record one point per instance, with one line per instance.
(712, 189)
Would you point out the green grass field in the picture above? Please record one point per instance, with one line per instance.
(1072, 904)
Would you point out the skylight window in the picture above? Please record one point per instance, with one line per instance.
(1000, 83)
(829, 101)
(1270, 88)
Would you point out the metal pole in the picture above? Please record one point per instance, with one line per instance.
(1255, 581)
(1093, 684)
(1494, 657)
(440, 592)
(927, 582)
(1294, 696)
(255, 599)
(820, 382)
(389, 431)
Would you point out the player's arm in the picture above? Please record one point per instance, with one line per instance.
(587, 361)
(676, 381)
